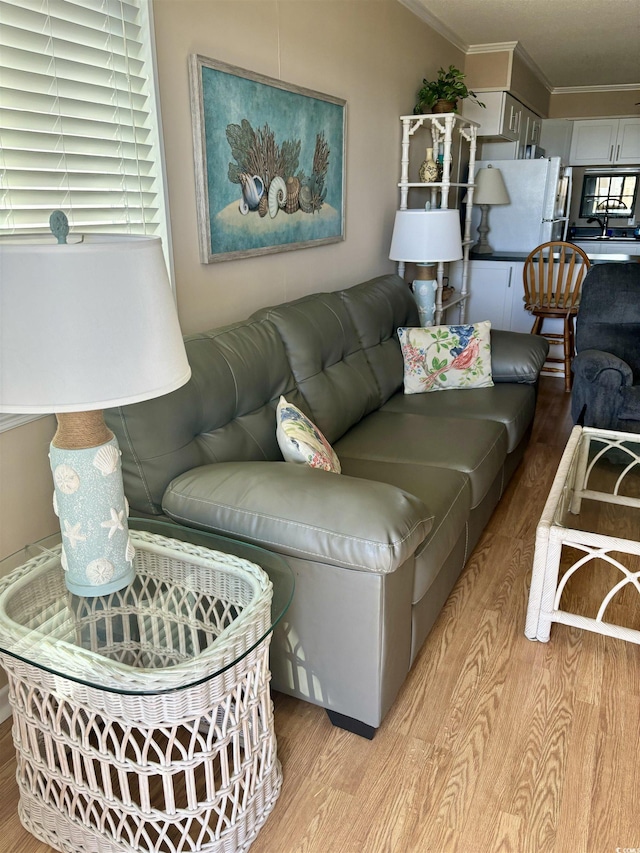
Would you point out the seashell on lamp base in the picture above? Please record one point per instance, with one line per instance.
(97, 556)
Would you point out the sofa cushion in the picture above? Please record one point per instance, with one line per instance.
(377, 308)
(445, 358)
(330, 369)
(477, 448)
(448, 495)
(508, 403)
(301, 512)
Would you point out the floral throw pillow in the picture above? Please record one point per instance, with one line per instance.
(300, 440)
(438, 358)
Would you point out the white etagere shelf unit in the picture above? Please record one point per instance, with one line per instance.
(443, 127)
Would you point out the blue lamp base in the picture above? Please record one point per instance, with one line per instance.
(424, 291)
(89, 501)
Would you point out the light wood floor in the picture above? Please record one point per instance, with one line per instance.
(495, 744)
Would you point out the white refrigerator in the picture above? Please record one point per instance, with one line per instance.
(539, 193)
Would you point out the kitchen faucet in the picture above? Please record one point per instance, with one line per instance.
(602, 222)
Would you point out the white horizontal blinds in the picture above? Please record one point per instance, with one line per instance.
(76, 124)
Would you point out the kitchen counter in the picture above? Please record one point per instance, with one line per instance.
(596, 257)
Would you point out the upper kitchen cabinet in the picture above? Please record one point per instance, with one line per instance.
(504, 118)
(605, 142)
(501, 117)
(532, 125)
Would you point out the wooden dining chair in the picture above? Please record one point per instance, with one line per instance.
(553, 276)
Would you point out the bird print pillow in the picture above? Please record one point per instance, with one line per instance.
(300, 440)
(441, 358)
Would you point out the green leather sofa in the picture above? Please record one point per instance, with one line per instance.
(375, 550)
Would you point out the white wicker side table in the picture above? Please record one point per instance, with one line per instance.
(143, 719)
(598, 467)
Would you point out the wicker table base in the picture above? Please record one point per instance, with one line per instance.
(589, 452)
(168, 745)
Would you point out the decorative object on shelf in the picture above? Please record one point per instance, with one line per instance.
(102, 331)
(490, 189)
(442, 95)
(429, 169)
(426, 237)
(439, 163)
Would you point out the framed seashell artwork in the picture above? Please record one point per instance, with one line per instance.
(270, 163)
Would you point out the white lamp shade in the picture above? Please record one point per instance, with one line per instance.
(86, 325)
(426, 236)
(490, 187)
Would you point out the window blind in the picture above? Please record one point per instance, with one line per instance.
(79, 120)
(77, 124)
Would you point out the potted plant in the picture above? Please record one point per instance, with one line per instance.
(442, 95)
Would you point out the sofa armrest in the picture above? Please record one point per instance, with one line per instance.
(517, 356)
(590, 364)
(599, 378)
(303, 512)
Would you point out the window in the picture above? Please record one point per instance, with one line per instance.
(78, 126)
(608, 193)
(79, 119)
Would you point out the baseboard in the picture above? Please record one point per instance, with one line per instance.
(5, 708)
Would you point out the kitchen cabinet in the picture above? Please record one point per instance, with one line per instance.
(504, 118)
(609, 247)
(496, 294)
(605, 142)
(441, 128)
(532, 127)
(501, 117)
(492, 293)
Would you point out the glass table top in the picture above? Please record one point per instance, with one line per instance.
(601, 492)
(110, 642)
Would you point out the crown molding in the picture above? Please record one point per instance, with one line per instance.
(513, 47)
(493, 47)
(578, 90)
(419, 11)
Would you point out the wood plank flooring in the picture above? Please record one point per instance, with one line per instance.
(495, 744)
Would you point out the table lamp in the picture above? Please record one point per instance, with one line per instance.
(85, 325)
(426, 237)
(489, 189)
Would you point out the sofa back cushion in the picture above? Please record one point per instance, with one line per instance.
(327, 361)
(226, 412)
(377, 308)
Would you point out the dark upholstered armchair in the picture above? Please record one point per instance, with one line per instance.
(606, 384)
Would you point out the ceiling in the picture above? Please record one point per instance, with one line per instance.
(572, 43)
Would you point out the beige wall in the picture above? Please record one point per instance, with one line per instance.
(490, 70)
(373, 53)
(505, 69)
(594, 104)
(26, 488)
(527, 87)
